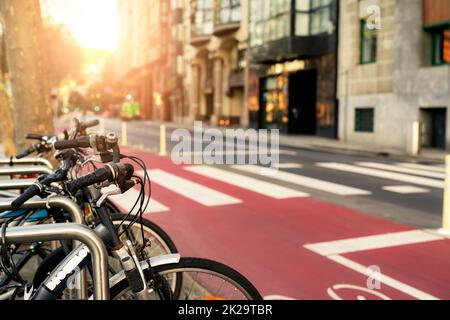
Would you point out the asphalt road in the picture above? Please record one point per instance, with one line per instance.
(420, 208)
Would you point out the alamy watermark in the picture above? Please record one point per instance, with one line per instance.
(231, 147)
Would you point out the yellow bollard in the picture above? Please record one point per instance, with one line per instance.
(124, 133)
(102, 126)
(162, 141)
(446, 208)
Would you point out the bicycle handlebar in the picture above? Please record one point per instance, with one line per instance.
(109, 173)
(27, 151)
(29, 193)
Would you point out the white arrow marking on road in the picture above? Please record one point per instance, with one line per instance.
(255, 185)
(372, 242)
(191, 190)
(384, 174)
(308, 182)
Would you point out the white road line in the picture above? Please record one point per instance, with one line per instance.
(255, 185)
(391, 282)
(304, 181)
(422, 167)
(127, 200)
(372, 242)
(191, 190)
(419, 172)
(405, 189)
(289, 166)
(383, 174)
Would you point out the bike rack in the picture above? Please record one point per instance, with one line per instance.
(71, 207)
(10, 171)
(26, 161)
(66, 204)
(70, 231)
(15, 184)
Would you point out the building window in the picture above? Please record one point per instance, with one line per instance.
(369, 39)
(364, 119)
(312, 17)
(269, 21)
(228, 11)
(202, 18)
(440, 44)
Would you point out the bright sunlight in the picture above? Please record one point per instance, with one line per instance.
(93, 23)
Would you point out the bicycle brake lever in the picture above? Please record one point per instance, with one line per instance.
(106, 192)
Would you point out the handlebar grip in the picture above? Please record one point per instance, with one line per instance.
(26, 152)
(89, 124)
(70, 144)
(98, 176)
(29, 193)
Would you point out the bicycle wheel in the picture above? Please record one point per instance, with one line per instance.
(161, 244)
(202, 279)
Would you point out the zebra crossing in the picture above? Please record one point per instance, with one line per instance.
(414, 179)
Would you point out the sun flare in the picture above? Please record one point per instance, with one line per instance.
(93, 23)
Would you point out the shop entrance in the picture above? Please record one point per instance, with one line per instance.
(433, 127)
(302, 102)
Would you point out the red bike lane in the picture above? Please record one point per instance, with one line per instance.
(268, 240)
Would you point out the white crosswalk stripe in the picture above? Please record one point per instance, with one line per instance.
(422, 167)
(389, 167)
(427, 182)
(405, 189)
(127, 200)
(194, 191)
(255, 185)
(308, 182)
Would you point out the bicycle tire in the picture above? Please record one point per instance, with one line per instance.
(192, 265)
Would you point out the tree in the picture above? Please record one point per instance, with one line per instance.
(26, 59)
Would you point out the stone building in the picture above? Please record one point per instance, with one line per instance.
(216, 57)
(393, 72)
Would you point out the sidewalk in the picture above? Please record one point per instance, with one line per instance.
(336, 146)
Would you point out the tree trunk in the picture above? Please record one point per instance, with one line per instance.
(26, 60)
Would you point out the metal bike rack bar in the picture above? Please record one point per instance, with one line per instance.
(56, 202)
(68, 205)
(9, 171)
(70, 231)
(26, 161)
(16, 184)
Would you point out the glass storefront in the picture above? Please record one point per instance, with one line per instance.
(274, 102)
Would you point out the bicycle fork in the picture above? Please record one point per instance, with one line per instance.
(133, 271)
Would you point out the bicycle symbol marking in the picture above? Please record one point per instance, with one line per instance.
(363, 292)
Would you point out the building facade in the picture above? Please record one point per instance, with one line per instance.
(216, 58)
(394, 71)
(293, 54)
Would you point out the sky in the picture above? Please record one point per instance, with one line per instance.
(92, 22)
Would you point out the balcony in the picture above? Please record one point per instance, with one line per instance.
(225, 28)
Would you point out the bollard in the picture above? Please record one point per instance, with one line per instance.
(446, 208)
(415, 141)
(162, 141)
(124, 133)
(102, 126)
